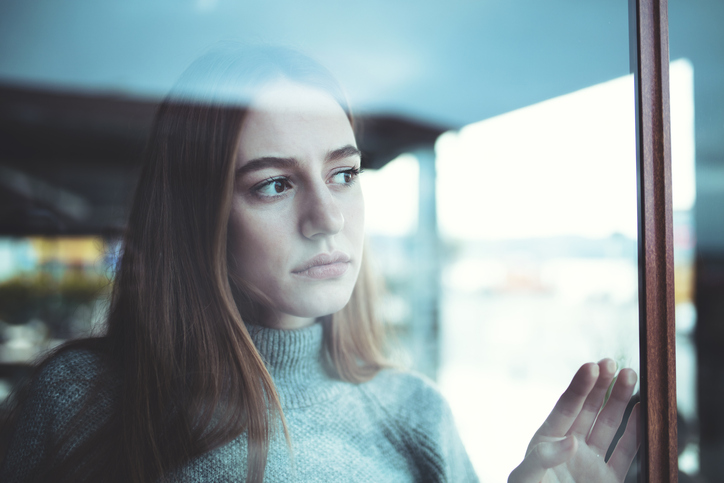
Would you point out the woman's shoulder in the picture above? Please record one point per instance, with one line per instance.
(406, 392)
(69, 377)
(74, 364)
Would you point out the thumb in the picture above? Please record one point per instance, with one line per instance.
(541, 457)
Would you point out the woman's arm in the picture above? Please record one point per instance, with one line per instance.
(571, 444)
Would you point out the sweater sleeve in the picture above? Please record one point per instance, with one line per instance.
(53, 403)
(422, 426)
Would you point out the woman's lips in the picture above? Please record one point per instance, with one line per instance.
(323, 266)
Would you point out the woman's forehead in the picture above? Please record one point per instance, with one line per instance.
(286, 95)
(292, 120)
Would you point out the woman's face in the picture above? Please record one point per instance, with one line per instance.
(297, 219)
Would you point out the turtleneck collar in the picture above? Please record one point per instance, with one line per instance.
(294, 360)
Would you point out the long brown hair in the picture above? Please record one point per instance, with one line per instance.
(190, 377)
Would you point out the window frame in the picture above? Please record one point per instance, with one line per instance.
(649, 40)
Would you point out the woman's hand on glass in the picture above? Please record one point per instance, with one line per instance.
(571, 444)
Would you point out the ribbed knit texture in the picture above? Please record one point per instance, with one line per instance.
(394, 428)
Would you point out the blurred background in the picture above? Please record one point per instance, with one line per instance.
(499, 143)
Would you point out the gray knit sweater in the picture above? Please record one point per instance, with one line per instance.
(394, 428)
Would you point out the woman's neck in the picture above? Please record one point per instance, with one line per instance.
(276, 320)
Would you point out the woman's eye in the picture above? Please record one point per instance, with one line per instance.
(273, 187)
(346, 177)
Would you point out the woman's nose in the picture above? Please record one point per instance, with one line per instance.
(321, 215)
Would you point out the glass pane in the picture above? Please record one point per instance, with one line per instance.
(499, 144)
(542, 272)
(697, 146)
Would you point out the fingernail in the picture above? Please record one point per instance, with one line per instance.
(631, 377)
(593, 368)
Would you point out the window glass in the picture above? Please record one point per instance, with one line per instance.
(697, 107)
(499, 144)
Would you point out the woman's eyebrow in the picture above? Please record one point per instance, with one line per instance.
(344, 152)
(266, 162)
(275, 162)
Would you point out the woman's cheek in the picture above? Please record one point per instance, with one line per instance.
(355, 218)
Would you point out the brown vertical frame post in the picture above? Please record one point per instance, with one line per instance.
(650, 48)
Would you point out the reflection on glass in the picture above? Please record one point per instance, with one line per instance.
(537, 216)
(542, 272)
(534, 272)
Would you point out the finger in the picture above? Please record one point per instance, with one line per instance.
(627, 446)
(541, 457)
(569, 405)
(583, 423)
(609, 419)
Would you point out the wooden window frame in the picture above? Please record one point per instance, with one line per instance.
(649, 39)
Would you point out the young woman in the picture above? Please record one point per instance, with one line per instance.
(242, 342)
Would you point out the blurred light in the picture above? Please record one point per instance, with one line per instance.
(206, 5)
(391, 197)
(683, 153)
(689, 459)
(565, 166)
